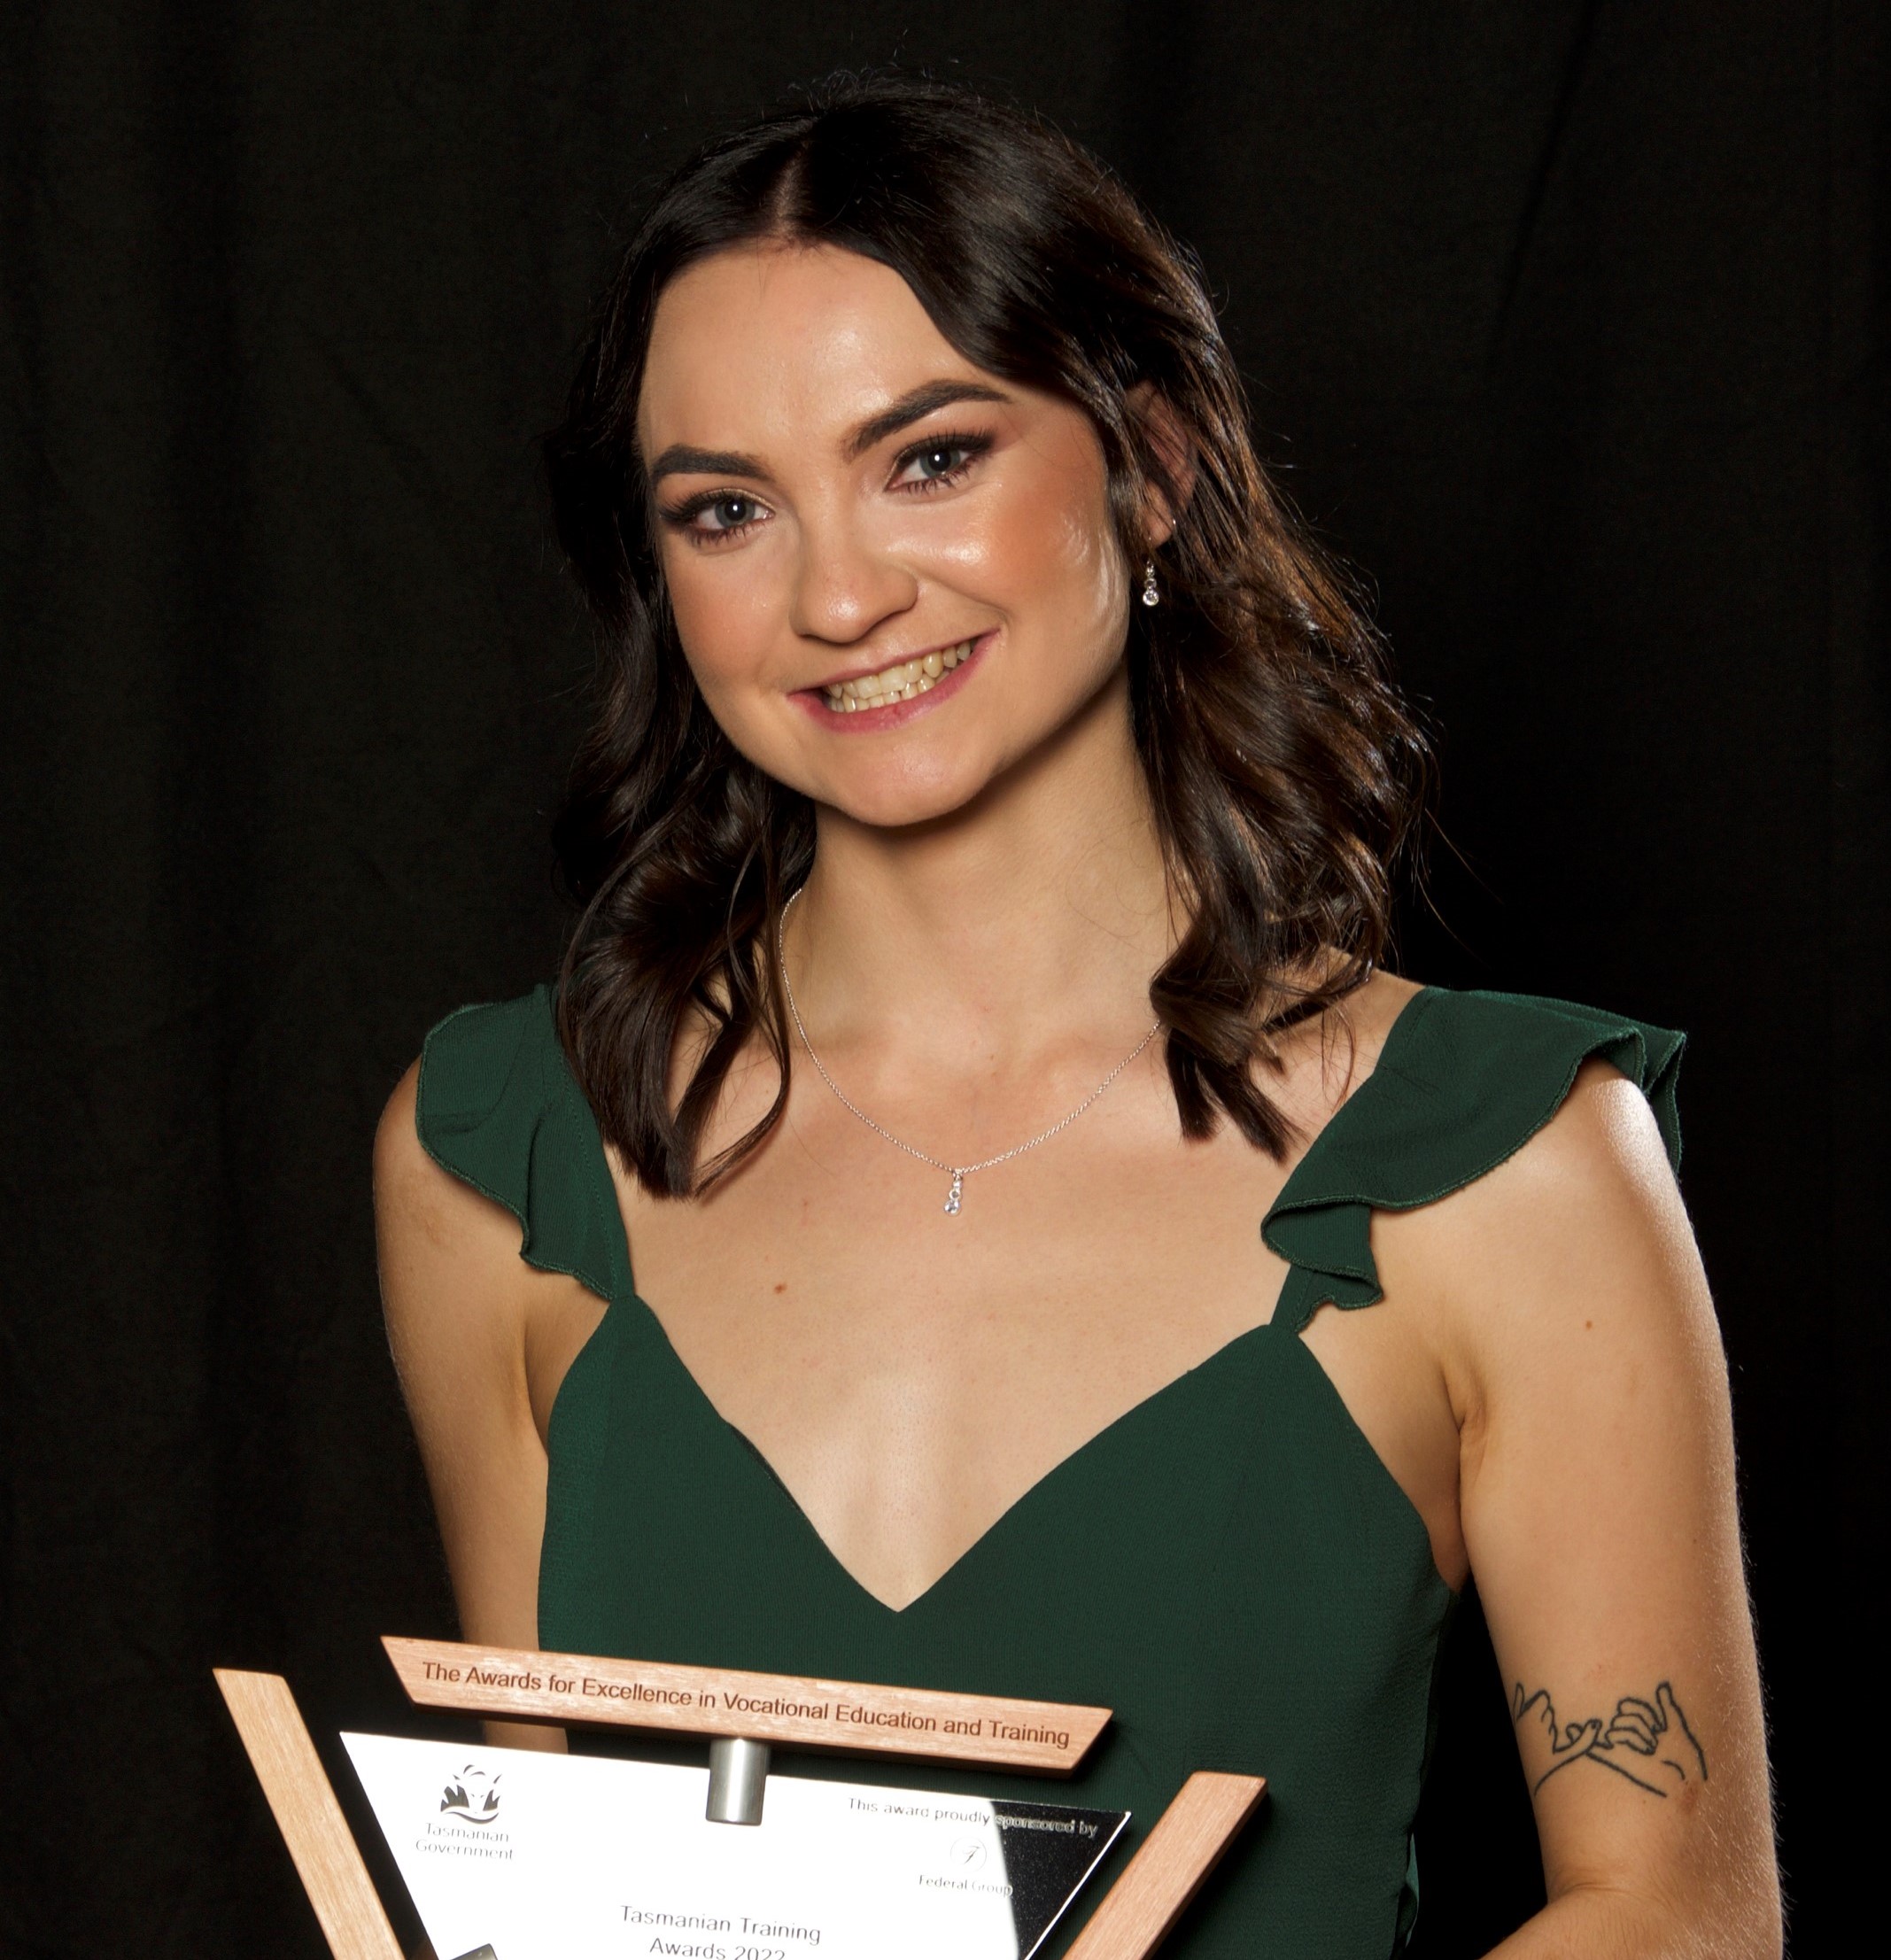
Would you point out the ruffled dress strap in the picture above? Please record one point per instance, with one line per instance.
(1465, 1080)
(500, 1108)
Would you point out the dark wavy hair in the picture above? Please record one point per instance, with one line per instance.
(1284, 773)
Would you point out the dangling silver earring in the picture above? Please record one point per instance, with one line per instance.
(1150, 596)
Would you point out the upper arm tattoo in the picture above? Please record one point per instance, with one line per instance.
(1649, 1742)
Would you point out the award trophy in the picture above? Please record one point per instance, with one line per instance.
(524, 1854)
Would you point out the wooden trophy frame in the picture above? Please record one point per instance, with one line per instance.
(852, 1718)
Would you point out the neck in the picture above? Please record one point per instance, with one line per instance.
(1035, 916)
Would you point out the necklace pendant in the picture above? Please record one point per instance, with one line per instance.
(958, 1184)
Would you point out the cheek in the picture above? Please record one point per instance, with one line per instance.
(726, 611)
(1081, 552)
(1072, 626)
(1052, 555)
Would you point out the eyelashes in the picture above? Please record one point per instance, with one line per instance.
(971, 447)
(740, 507)
(683, 516)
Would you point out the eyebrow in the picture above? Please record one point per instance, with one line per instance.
(677, 461)
(681, 461)
(913, 405)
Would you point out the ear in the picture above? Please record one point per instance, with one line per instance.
(1170, 440)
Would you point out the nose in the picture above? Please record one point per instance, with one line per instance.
(844, 585)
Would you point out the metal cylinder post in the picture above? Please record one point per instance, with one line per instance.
(738, 1778)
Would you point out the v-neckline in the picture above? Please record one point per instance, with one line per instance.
(1055, 1472)
(1091, 1445)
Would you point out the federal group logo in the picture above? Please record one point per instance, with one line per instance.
(472, 1795)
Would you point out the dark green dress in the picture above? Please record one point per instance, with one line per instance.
(1229, 1566)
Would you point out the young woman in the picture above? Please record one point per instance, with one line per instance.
(1066, 1262)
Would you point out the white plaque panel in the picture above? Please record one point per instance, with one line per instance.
(558, 1857)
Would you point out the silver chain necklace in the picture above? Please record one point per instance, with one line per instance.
(957, 1172)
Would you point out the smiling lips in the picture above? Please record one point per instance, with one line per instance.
(903, 680)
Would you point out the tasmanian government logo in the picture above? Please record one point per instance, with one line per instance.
(472, 1795)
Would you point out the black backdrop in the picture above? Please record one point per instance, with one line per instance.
(1563, 321)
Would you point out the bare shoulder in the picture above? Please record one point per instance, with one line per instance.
(414, 1196)
(410, 1189)
(1597, 1172)
(446, 1251)
(459, 1305)
(1576, 1249)
(1602, 1145)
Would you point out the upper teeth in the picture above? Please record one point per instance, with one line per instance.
(899, 682)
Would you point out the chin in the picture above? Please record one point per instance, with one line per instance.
(899, 805)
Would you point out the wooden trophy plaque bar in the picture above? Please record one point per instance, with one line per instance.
(788, 1710)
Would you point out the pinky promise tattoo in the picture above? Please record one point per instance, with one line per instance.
(1647, 1742)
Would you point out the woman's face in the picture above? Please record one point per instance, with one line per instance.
(893, 573)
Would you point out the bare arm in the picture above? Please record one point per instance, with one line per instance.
(458, 1298)
(1598, 1506)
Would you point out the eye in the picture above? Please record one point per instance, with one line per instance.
(938, 459)
(728, 512)
(716, 516)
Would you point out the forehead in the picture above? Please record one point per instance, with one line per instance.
(783, 338)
